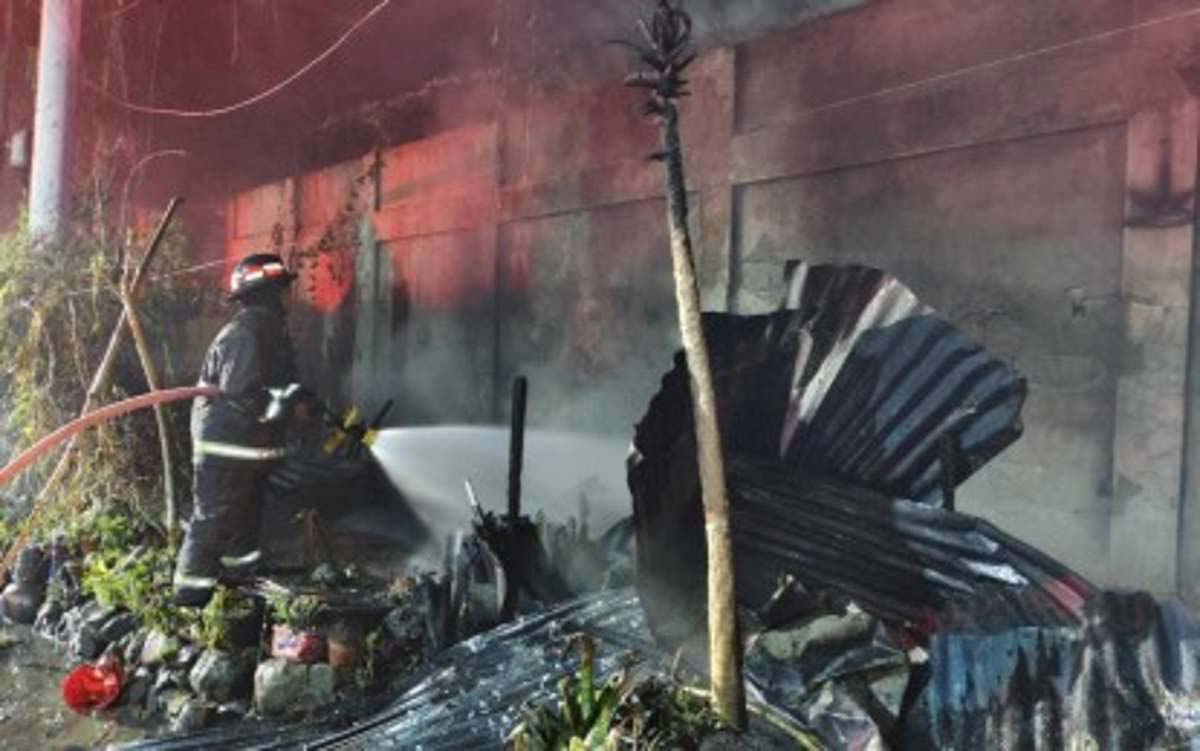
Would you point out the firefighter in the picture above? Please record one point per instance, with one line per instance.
(236, 439)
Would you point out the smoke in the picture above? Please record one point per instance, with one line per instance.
(564, 474)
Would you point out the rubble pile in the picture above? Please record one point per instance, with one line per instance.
(339, 645)
(211, 670)
(874, 615)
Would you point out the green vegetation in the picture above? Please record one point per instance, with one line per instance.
(220, 618)
(370, 659)
(139, 582)
(59, 303)
(298, 613)
(619, 713)
(586, 711)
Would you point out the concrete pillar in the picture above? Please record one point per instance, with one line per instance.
(1148, 450)
(58, 62)
(1189, 516)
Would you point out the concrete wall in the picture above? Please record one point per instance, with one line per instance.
(1026, 167)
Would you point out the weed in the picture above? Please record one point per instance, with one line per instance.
(586, 710)
(369, 660)
(220, 617)
(298, 613)
(58, 305)
(139, 582)
(617, 714)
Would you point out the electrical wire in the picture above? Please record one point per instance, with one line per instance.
(220, 111)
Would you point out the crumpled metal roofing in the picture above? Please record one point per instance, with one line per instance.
(1128, 680)
(468, 696)
(833, 411)
(876, 380)
(903, 561)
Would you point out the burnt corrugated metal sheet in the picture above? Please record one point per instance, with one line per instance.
(877, 379)
(1128, 680)
(901, 560)
(469, 696)
(834, 409)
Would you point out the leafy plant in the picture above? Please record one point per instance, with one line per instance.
(647, 715)
(586, 710)
(220, 616)
(299, 613)
(98, 529)
(139, 582)
(369, 659)
(664, 715)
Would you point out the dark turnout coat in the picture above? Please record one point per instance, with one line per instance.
(250, 354)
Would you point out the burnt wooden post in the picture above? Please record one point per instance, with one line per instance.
(516, 460)
(516, 447)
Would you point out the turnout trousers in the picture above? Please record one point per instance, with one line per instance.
(222, 537)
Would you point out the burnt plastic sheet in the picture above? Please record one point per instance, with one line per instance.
(1127, 680)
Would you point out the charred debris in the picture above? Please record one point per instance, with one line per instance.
(873, 614)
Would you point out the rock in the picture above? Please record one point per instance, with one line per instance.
(285, 688)
(20, 602)
(33, 568)
(233, 711)
(117, 627)
(94, 615)
(80, 628)
(172, 701)
(48, 617)
(186, 657)
(322, 680)
(159, 649)
(137, 688)
(194, 715)
(220, 676)
(166, 682)
(133, 647)
(85, 645)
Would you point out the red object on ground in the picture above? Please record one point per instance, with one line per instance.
(297, 646)
(91, 687)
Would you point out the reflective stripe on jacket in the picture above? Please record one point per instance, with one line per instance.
(203, 448)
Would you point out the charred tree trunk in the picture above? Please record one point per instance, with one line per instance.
(668, 53)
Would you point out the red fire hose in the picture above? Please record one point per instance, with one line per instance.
(164, 396)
